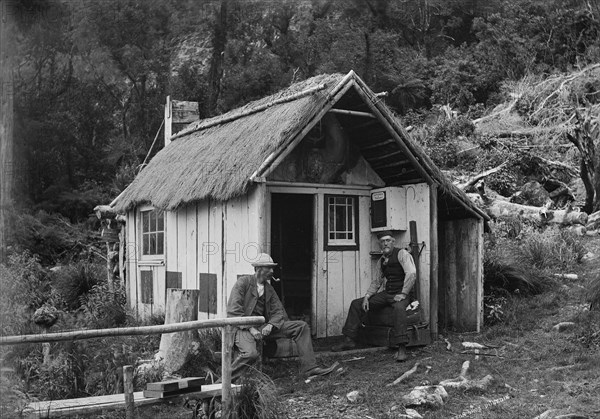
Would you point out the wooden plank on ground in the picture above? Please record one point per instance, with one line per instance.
(171, 385)
(88, 405)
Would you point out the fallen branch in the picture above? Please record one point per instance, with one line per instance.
(463, 382)
(472, 181)
(448, 345)
(405, 375)
(481, 353)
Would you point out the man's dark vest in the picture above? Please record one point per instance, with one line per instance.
(259, 309)
(393, 272)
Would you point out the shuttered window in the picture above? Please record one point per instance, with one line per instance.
(153, 232)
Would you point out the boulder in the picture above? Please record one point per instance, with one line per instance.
(532, 193)
(430, 396)
(593, 222)
(563, 327)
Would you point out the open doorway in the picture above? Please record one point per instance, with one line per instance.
(292, 230)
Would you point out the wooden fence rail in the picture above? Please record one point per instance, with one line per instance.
(226, 344)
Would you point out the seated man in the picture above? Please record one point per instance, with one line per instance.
(398, 275)
(253, 295)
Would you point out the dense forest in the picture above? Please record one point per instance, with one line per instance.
(90, 78)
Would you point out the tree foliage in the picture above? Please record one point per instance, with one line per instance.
(91, 77)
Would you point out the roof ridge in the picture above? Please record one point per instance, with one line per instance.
(207, 123)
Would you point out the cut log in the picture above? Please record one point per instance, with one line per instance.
(182, 306)
(496, 209)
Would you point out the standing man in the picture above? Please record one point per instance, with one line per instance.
(391, 288)
(253, 295)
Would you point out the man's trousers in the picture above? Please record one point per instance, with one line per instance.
(294, 329)
(356, 316)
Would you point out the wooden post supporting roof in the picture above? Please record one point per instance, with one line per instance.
(433, 262)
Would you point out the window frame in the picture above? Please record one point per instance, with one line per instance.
(333, 244)
(142, 233)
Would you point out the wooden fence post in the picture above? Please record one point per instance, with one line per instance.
(128, 391)
(226, 355)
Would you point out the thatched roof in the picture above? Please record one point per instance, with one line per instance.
(217, 161)
(218, 158)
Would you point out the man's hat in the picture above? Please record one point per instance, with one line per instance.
(263, 260)
(384, 233)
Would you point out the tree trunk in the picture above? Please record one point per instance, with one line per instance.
(584, 137)
(182, 306)
(215, 72)
(7, 163)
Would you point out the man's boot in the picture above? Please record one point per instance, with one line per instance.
(347, 344)
(401, 355)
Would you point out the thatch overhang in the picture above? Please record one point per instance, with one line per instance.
(219, 158)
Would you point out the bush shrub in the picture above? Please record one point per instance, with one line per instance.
(24, 287)
(73, 282)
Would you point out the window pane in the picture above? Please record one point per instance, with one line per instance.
(340, 236)
(144, 221)
(331, 226)
(160, 243)
(145, 244)
(350, 236)
(152, 248)
(161, 221)
(349, 223)
(152, 221)
(340, 219)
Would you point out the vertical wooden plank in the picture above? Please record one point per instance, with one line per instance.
(366, 245)
(128, 391)
(203, 247)
(417, 209)
(182, 243)
(226, 354)
(433, 262)
(462, 249)
(213, 249)
(321, 276)
(451, 285)
(350, 278)
(442, 276)
(190, 247)
(335, 292)
(171, 241)
(479, 270)
(212, 294)
(131, 256)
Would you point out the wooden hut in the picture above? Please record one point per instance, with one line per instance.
(307, 175)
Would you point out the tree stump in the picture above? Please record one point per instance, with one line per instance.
(182, 306)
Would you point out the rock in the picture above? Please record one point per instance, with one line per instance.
(430, 396)
(532, 193)
(592, 232)
(563, 326)
(593, 221)
(589, 256)
(572, 277)
(577, 230)
(413, 414)
(354, 396)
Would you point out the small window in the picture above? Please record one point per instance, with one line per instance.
(341, 226)
(153, 232)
